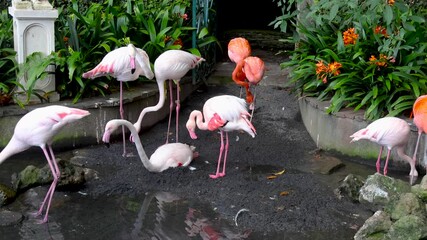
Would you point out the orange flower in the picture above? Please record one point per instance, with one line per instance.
(381, 30)
(390, 2)
(322, 70)
(381, 62)
(334, 68)
(350, 36)
(178, 42)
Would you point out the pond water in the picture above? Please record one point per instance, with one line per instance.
(153, 215)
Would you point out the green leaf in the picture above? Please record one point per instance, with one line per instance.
(388, 14)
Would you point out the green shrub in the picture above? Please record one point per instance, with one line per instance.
(366, 54)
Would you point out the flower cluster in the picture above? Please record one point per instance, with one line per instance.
(381, 30)
(350, 36)
(382, 61)
(323, 71)
(390, 2)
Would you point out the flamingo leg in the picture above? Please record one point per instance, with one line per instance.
(414, 158)
(56, 174)
(122, 114)
(221, 149)
(379, 159)
(178, 106)
(170, 109)
(225, 155)
(386, 162)
(252, 106)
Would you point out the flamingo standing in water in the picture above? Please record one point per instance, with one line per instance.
(225, 113)
(420, 120)
(124, 64)
(38, 128)
(390, 132)
(171, 65)
(166, 156)
(239, 49)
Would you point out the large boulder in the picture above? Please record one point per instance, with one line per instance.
(71, 176)
(380, 190)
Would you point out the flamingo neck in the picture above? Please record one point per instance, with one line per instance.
(199, 120)
(160, 84)
(13, 147)
(141, 152)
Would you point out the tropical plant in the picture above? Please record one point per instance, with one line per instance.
(8, 65)
(365, 54)
(85, 34)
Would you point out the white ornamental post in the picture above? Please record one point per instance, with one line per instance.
(33, 31)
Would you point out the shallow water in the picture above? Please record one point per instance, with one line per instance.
(154, 215)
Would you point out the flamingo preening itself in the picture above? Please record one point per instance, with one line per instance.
(239, 49)
(166, 156)
(124, 64)
(171, 65)
(225, 113)
(38, 128)
(249, 70)
(390, 132)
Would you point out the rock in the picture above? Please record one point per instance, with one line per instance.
(376, 227)
(71, 176)
(326, 164)
(350, 187)
(408, 204)
(8, 218)
(7, 194)
(380, 190)
(421, 189)
(408, 227)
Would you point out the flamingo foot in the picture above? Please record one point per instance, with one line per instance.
(218, 175)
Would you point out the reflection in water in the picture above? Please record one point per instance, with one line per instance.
(174, 218)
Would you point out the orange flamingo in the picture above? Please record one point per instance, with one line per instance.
(420, 119)
(238, 50)
(254, 69)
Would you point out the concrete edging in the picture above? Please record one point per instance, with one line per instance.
(332, 132)
(89, 130)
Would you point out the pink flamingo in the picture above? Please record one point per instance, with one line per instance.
(166, 156)
(120, 64)
(254, 69)
(225, 113)
(171, 65)
(390, 132)
(37, 128)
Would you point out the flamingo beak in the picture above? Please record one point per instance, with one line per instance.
(132, 70)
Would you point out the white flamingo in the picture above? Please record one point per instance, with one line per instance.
(171, 65)
(166, 156)
(225, 113)
(37, 128)
(124, 64)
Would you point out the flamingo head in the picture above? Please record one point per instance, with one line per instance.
(191, 127)
(144, 61)
(110, 127)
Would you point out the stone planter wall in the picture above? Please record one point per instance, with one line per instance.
(89, 130)
(332, 132)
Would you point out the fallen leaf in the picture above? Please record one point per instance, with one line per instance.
(284, 193)
(271, 177)
(279, 173)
